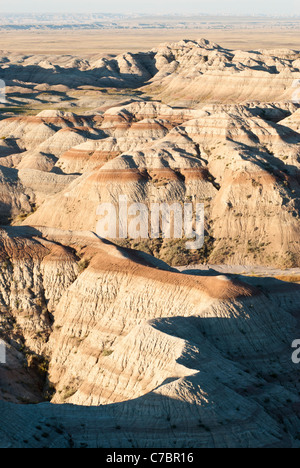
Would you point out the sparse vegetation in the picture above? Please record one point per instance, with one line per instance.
(68, 392)
(171, 251)
(83, 265)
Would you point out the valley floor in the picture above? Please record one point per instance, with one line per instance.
(114, 41)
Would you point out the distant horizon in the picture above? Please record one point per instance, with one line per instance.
(155, 7)
(133, 14)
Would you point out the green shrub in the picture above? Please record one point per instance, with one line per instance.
(83, 265)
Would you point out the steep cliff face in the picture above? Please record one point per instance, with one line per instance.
(34, 275)
(201, 359)
(12, 196)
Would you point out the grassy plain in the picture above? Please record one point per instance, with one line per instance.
(115, 41)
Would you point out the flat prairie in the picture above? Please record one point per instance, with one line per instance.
(117, 41)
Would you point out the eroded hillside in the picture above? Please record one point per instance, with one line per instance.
(240, 161)
(182, 73)
(220, 372)
(130, 351)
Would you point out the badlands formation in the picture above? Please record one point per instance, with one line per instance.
(130, 350)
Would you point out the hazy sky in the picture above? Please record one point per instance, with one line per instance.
(282, 7)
